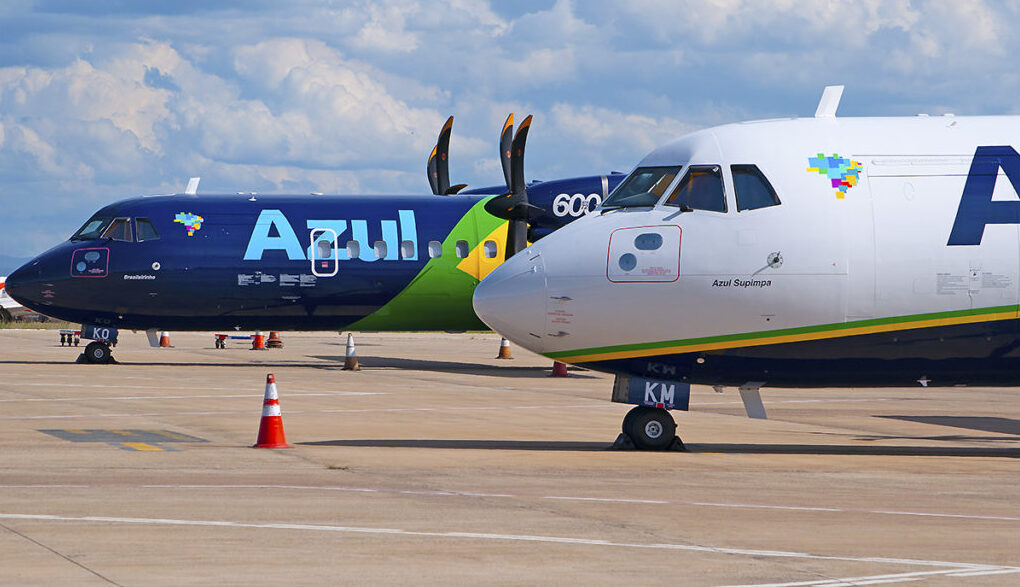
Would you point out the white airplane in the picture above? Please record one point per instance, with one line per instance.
(818, 252)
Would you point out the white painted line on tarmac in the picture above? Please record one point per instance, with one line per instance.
(950, 567)
(578, 498)
(336, 411)
(154, 388)
(151, 397)
(864, 580)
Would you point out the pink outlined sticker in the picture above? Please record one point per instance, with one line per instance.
(92, 262)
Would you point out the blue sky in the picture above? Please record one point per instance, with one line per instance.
(109, 99)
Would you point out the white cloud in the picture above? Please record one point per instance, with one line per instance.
(314, 96)
(384, 30)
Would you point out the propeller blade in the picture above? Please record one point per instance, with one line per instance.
(455, 188)
(516, 237)
(505, 140)
(433, 175)
(514, 205)
(443, 157)
(517, 184)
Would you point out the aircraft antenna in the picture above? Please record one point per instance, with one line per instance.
(830, 102)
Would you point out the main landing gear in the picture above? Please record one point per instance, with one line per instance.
(97, 353)
(647, 428)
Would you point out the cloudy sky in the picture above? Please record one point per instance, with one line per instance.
(108, 99)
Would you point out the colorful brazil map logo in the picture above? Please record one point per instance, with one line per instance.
(842, 172)
(190, 221)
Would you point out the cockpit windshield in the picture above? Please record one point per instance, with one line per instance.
(93, 229)
(644, 187)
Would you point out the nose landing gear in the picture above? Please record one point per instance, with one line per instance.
(97, 353)
(647, 428)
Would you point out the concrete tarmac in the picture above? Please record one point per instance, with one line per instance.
(438, 464)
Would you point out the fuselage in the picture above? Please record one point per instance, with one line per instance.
(885, 253)
(310, 262)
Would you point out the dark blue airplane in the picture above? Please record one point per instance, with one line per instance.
(300, 262)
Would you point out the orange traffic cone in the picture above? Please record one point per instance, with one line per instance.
(351, 357)
(258, 343)
(274, 341)
(504, 349)
(559, 370)
(271, 425)
(164, 339)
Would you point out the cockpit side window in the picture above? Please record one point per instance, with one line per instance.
(700, 189)
(644, 187)
(752, 188)
(92, 229)
(145, 230)
(120, 230)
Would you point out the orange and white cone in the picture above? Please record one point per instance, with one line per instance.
(274, 341)
(258, 342)
(271, 425)
(559, 370)
(504, 349)
(351, 356)
(164, 339)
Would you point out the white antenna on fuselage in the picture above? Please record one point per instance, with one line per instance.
(830, 102)
(192, 188)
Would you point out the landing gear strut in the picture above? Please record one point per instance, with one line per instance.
(98, 353)
(647, 428)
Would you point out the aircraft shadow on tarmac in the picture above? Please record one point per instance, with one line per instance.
(794, 449)
(983, 423)
(377, 362)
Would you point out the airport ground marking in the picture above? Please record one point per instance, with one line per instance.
(884, 579)
(134, 439)
(524, 496)
(970, 569)
(600, 406)
(571, 498)
(163, 397)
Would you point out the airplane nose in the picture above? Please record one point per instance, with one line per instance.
(511, 299)
(19, 284)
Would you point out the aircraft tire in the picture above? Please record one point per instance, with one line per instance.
(650, 428)
(97, 353)
(5, 316)
(628, 420)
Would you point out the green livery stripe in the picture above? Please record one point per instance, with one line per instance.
(439, 297)
(785, 335)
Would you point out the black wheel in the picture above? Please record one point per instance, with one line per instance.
(97, 353)
(628, 420)
(650, 428)
(5, 316)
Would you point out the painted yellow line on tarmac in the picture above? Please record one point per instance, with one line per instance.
(144, 446)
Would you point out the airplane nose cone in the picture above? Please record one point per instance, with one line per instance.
(19, 284)
(511, 299)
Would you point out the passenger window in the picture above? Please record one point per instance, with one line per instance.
(353, 249)
(407, 249)
(490, 249)
(752, 189)
(435, 249)
(462, 249)
(120, 230)
(325, 250)
(145, 230)
(700, 189)
(380, 249)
